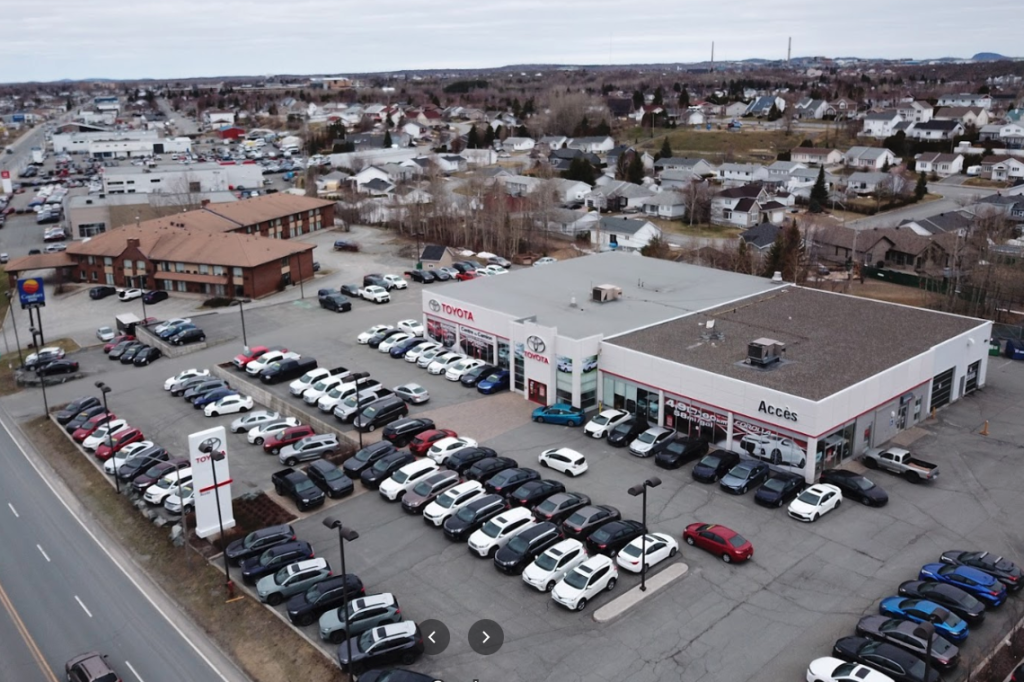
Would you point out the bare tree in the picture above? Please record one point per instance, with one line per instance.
(567, 109)
(697, 198)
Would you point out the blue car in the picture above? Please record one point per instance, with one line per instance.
(981, 585)
(559, 413)
(205, 399)
(494, 382)
(948, 624)
(404, 347)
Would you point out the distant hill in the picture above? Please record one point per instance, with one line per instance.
(988, 57)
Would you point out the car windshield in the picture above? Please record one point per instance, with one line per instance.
(369, 412)
(741, 471)
(351, 401)
(647, 437)
(166, 483)
(863, 483)
(577, 579)
(547, 506)
(320, 385)
(600, 420)
(547, 561)
(466, 514)
(491, 529)
(282, 575)
(307, 377)
(422, 488)
(737, 541)
(809, 497)
(400, 476)
(382, 465)
(774, 485)
(519, 545)
(600, 535)
(577, 519)
(493, 378)
(711, 461)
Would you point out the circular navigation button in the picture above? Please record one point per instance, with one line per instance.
(486, 637)
(436, 636)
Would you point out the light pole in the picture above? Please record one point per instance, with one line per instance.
(104, 389)
(641, 490)
(343, 535)
(241, 311)
(359, 404)
(926, 630)
(212, 447)
(14, 323)
(42, 385)
(419, 253)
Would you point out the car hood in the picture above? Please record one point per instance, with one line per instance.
(732, 481)
(801, 507)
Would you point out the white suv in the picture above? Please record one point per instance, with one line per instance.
(405, 478)
(446, 447)
(451, 501)
(551, 566)
(496, 533)
(321, 388)
(585, 582)
(396, 282)
(376, 294)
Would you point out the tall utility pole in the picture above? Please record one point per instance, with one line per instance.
(789, 51)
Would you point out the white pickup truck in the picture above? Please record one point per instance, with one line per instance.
(899, 461)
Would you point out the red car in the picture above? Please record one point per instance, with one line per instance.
(116, 340)
(290, 435)
(465, 276)
(243, 359)
(90, 426)
(724, 542)
(422, 442)
(120, 439)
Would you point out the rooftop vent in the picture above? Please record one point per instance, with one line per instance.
(604, 293)
(777, 277)
(764, 352)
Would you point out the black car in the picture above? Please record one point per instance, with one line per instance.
(376, 280)
(118, 351)
(474, 515)
(75, 407)
(191, 383)
(258, 541)
(85, 415)
(204, 387)
(680, 451)
(400, 349)
(467, 457)
(384, 467)
(392, 643)
(306, 608)
(343, 245)
(155, 296)
(275, 558)
(367, 457)
(611, 537)
(525, 547)
(174, 330)
(188, 336)
(715, 465)
(381, 336)
(400, 433)
(395, 675)
(336, 302)
(907, 635)
(154, 473)
(139, 464)
(489, 466)
(351, 290)
(532, 493)
(779, 489)
(560, 506)
(146, 356)
(329, 478)
(476, 375)
(626, 432)
(57, 367)
(856, 487)
(441, 275)
(960, 602)
(506, 481)
(900, 665)
(586, 520)
(421, 276)
(744, 476)
(128, 356)
(1006, 572)
(96, 293)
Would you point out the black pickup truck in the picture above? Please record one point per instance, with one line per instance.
(298, 486)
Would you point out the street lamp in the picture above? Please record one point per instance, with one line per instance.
(212, 447)
(419, 253)
(343, 535)
(14, 323)
(241, 311)
(641, 490)
(927, 631)
(42, 384)
(359, 403)
(104, 389)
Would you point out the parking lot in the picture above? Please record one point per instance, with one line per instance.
(806, 586)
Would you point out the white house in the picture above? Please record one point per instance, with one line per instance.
(780, 171)
(568, 222)
(936, 130)
(802, 180)
(695, 166)
(623, 234)
(593, 145)
(732, 174)
(734, 110)
(975, 117)
(881, 124)
(676, 179)
(1009, 168)
(865, 182)
(810, 108)
(667, 205)
(518, 144)
(942, 165)
(616, 195)
(570, 192)
(519, 185)
(416, 131)
(916, 111)
(965, 99)
(554, 141)
(870, 158)
(762, 106)
(739, 205)
(219, 118)
(816, 156)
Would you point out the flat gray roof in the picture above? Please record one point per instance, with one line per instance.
(83, 200)
(833, 341)
(653, 290)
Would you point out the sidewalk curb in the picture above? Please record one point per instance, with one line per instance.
(625, 602)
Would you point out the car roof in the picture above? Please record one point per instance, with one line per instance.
(822, 488)
(308, 564)
(374, 600)
(595, 562)
(514, 514)
(565, 546)
(419, 465)
(403, 629)
(465, 486)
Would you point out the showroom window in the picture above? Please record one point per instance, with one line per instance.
(836, 447)
(634, 398)
(563, 379)
(503, 353)
(588, 382)
(520, 367)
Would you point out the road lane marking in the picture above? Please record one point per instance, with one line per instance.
(43, 553)
(83, 606)
(134, 672)
(23, 631)
(13, 510)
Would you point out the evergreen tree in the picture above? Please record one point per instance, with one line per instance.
(659, 96)
(785, 255)
(684, 98)
(602, 128)
(774, 114)
(387, 139)
(638, 99)
(635, 173)
(921, 190)
(473, 138)
(622, 167)
(489, 136)
(819, 193)
(666, 150)
(580, 170)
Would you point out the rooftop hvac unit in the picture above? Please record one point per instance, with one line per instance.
(763, 352)
(606, 292)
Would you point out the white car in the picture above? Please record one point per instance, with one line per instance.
(258, 434)
(585, 582)
(105, 334)
(167, 324)
(551, 566)
(455, 372)
(546, 260)
(426, 357)
(365, 337)
(819, 499)
(158, 493)
(830, 669)
(251, 421)
(411, 327)
(299, 386)
(129, 294)
(412, 393)
(99, 436)
(405, 478)
(660, 546)
(451, 501)
(414, 354)
(774, 450)
(496, 533)
(173, 503)
(604, 422)
(375, 293)
(345, 409)
(320, 389)
(396, 282)
(341, 392)
(45, 355)
(446, 447)
(180, 378)
(565, 460)
(387, 344)
(256, 366)
(229, 404)
(125, 454)
(492, 270)
(442, 362)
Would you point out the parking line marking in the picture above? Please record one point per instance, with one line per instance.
(134, 672)
(43, 553)
(83, 606)
(13, 510)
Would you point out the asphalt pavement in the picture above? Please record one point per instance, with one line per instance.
(75, 590)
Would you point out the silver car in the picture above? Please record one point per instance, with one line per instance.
(292, 579)
(252, 420)
(312, 447)
(412, 393)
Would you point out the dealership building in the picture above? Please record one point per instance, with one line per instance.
(800, 377)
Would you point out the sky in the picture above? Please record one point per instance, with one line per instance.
(48, 40)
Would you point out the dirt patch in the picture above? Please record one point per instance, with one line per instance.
(263, 646)
(8, 383)
(748, 143)
(880, 291)
(701, 231)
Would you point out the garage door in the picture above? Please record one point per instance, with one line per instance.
(942, 389)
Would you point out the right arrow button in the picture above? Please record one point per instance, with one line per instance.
(486, 637)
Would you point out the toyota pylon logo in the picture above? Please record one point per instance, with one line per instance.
(536, 344)
(434, 305)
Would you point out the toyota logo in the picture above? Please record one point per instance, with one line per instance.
(536, 344)
(434, 305)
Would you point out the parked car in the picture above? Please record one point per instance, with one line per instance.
(508, 480)
(586, 520)
(412, 393)
(451, 501)
(602, 423)
(366, 457)
(105, 334)
(650, 441)
(399, 350)
(946, 623)
(311, 447)
(526, 546)
(400, 482)
(495, 382)
(496, 532)
(828, 669)
(250, 421)
(608, 538)
(376, 294)
(287, 436)
(383, 645)
(274, 559)
(559, 413)
(744, 476)
(1003, 570)
(292, 579)
(564, 460)
(256, 542)
(953, 598)
(42, 357)
(814, 502)
(982, 585)
(384, 467)
(905, 634)
(329, 478)
(57, 367)
(155, 472)
(898, 663)
(679, 451)
(364, 613)
(229, 404)
(857, 487)
(336, 302)
(201, 400)
(489, 466)
(533, 492)
(423, 441)
(155, 296)
(401, 432)
(129, 294)
(380, 413)
(258, 434)
(585, 582)
(463, 459)
(554, 563)
(158, 493)
(899, 461)
(188, 336)
(472, 516)
(444, 448)
(650, 550)
(779, 489)
(560, 506)
(714, 465)
(627, 431)
(147, 355)
(474, 376)
(97, 293)
(719, 540)
(428, 489)
(304, 609)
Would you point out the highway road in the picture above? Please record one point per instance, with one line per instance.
(65, 588)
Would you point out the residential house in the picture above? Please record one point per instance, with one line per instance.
(568, 222)
(611, 158)
(592, 145)
(677, 179)
(936, 130)
(816, 156)
(734, 109)
(376, 187)
(554, 141)
(735, 174)
(881, 124)
(810, 108)
(561, 159)
(760, 237)
(915, 111)
(434, 257)
(367, 174)
(450, 163)
(1002, 169)
(779, 172)
(970, 117)
(519, 185)
(739, 205)
(693, 117)
(569, 192)
(802, 180)
(1012, 135)
(965, 100)
(666, 205)
(870, 158)
(892, 247)
(219, 118)
(518, 144)
(865, 182)
(415, 130)
(942, 165)
(617, 195)
(762, 106)
(331, 182)
(623, 234)
(958, 222)
(698, 167)
(841, 109)
(990, 132)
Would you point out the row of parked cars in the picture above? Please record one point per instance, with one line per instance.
(49, 362)
(951, 595)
